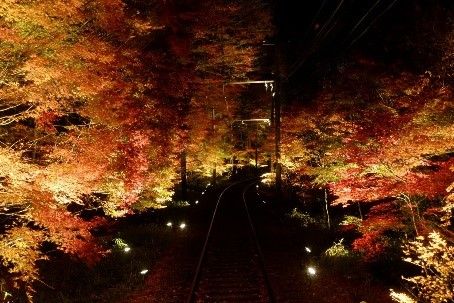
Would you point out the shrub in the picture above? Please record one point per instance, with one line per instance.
(337, 250)
(178, 204)
(401, 297)
(303, 218)
(352, 220)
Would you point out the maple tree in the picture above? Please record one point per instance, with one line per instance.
(95, 101)
(384, 153)
(75, 101)
(434, 258)
(379, 136)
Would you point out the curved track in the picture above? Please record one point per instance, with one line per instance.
(230, 267)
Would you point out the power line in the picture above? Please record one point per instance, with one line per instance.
(364, 17)
(325, 31)
(372, 23)
(316, 42)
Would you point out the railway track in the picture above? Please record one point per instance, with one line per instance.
(230, 267)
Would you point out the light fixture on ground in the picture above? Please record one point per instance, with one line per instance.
(307, 249)
(127, 249)
(183, 225)
(169, 224)
(311, 271)
(143, 271)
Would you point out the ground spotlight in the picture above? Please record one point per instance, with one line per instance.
(311, 271)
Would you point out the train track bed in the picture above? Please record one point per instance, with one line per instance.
(230, 266)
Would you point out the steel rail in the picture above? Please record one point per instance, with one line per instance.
(196, 278)
(258, 248)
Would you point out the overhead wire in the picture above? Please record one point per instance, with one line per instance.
(372, 23)
(330, 19)
(317, 14)
(323, 33)
(316, 42)
(317, 34)
(364, 17)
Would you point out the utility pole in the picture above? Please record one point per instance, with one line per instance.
(278, 101)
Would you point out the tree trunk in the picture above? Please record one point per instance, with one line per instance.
(213, 177)
(407, 200)
(328, 220)
(256, 157)
(213, 117)
(184, 176)
(277, 139)
(360, 212)
(256, 146)
(234, 167)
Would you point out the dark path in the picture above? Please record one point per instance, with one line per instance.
(231, 271)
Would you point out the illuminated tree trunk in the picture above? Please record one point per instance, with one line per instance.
(256, 157)
(328, 220)
(234, 166)
(184, 179)
(213, 116)
(256, 146)
(360, 212)
(214, 175)
(407, 200)
(277, 138)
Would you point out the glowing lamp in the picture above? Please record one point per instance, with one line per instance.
(311, 271)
